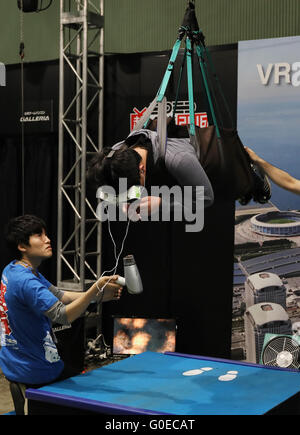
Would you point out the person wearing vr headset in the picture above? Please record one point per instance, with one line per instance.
(137, 159)
(29, 304)
(280, 177)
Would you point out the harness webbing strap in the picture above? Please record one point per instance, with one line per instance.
(162, 125)
(179, 83)
(143, 121)
(165, 81)
(211, 65)
(190, 85)
(199, 53)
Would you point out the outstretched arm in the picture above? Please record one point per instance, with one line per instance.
(73, 304)
(280, 177)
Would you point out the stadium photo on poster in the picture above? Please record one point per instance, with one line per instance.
(266, 282)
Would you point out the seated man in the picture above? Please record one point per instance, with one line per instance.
(29, 303)
(138, 161)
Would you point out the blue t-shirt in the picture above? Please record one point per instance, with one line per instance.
(28, 354)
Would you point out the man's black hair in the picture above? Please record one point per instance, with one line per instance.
(124, 163)
(19, 230)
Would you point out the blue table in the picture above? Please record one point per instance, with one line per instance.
(154, 383)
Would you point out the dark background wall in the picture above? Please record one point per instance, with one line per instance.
(185, 275)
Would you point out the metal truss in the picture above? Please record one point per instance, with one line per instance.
(81, 70)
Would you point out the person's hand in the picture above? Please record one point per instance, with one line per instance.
(253, 156)
(112, 291)
(131, 210)
(143, 208)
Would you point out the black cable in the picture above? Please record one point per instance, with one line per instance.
(22, 55)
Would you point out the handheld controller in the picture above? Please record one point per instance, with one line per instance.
(121, 281)
(132, 279)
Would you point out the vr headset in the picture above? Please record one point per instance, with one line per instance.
(107, 193)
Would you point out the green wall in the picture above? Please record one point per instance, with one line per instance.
(149, 25)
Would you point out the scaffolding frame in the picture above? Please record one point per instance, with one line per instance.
(81, 67)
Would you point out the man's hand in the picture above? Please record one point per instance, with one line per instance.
(142, 209)
(149, 206)
(112, 290)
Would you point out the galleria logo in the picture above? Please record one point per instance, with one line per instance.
(2, 74)
(34, 118)
(283, 73)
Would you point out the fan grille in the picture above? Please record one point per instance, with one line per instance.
(282, 352)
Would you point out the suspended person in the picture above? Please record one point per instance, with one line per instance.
(137, 159)
(29, 304)
(280, 177)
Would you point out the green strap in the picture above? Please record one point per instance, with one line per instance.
(199, 53)
(179, 83)
(162, 89)
(165, 81)
(190, 85)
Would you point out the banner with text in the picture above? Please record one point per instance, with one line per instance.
(266, 301)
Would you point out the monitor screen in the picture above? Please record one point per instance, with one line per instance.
(136, 335)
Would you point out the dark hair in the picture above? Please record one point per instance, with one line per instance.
(19, 230)
(124, 163)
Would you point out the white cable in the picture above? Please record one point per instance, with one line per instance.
(111, 236)
(117, 258)
(22, 48)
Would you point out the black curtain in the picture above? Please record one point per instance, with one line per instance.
(10, 189)
(40, 187)
(40, 145)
